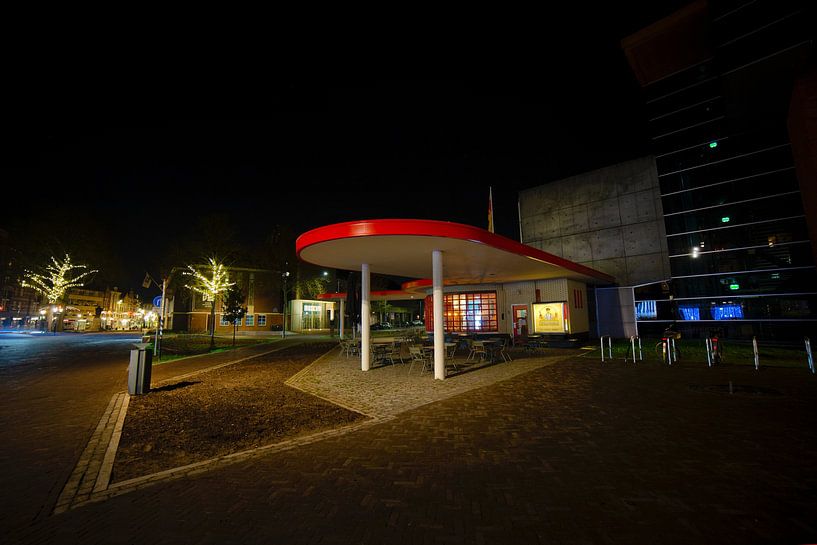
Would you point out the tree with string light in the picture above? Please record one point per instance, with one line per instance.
(55, 279)
(210, 286)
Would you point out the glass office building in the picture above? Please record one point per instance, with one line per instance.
(718, 80)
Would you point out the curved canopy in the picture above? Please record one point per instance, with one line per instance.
(403, 247)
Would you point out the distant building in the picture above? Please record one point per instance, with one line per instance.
(19, 306)
(189, 312)
(110, 309)
(310, 316)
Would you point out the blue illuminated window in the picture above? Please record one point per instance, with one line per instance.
(645, 310)
(690, 313)
(727, 312)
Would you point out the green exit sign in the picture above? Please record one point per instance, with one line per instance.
(734, 287)
(726, 219)
(713, 144)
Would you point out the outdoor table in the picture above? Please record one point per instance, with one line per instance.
(491, 346)
(379, 351)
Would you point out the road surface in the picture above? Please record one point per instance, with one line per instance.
(53, 390)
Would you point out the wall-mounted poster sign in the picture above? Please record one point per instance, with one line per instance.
(549, 318)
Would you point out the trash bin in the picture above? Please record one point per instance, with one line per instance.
(141, 360)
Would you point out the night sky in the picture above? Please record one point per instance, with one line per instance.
(297, 148)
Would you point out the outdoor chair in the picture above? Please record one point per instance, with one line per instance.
(394, 353)
(503, 350)
(478, 350)
(349, 347)
(472, 351)
(418, 356)
(449, 356)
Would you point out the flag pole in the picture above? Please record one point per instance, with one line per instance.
(490, 209)
(519, 215)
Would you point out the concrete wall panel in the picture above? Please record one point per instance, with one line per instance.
(641, 238)
(606, 244)
(551, 245)
(600, 216)
(577, 248)
(645, 268)
(603, 214)
(572, 220)
(616, 267)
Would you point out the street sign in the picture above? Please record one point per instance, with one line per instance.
(157, 301)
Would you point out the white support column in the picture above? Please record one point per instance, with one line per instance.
(364, 317)
(342, 312)
(439, 325)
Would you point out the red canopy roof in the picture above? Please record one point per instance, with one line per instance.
(403, 247)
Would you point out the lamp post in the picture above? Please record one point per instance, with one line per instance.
(284, 327)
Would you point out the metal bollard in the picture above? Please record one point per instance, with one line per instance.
(708, 352)
(633, 339)
(609, 347)
(808, 353)
(757, 355)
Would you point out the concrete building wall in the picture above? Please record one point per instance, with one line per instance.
(609, 219)
(577, 305)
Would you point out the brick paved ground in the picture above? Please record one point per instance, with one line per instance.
(51, 407)
(569, 453)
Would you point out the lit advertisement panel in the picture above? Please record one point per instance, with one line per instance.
(549, 318)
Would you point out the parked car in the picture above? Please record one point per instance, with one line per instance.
(417, 323)
(380, 326)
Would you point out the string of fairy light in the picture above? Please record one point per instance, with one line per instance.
(210, 287)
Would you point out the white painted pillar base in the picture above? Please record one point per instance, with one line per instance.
(439, 325)
(364, 317)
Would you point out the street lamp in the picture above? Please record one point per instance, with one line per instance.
(284, 327)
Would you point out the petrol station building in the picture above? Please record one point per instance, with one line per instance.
(473, 281)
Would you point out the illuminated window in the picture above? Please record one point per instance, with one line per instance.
(249, 320)
(690, 313)
(727, 312)
(470, 312)
(645, 310)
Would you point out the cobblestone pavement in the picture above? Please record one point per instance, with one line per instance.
(574, 452)
(389, 389)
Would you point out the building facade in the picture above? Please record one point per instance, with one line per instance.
(189, 312)
(718, 81)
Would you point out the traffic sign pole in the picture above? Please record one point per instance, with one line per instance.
(157, 347)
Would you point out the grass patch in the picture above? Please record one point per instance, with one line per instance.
(182, 346)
